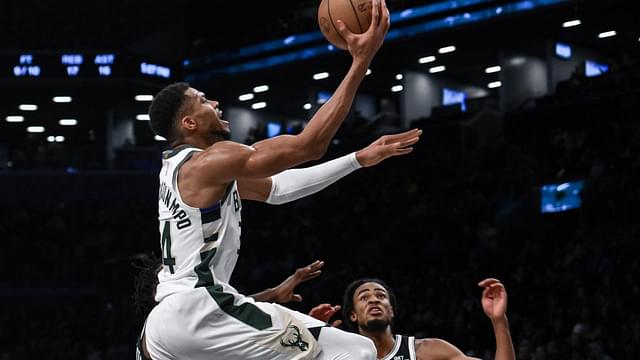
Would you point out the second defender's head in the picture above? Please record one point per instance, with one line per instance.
(179, 112)
(369, 305)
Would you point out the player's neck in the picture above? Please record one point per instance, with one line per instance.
(384, 340)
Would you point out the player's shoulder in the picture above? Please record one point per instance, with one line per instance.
(434, 348)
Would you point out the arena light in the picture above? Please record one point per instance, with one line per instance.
(399, 76)
(51, 139)
(368, 72)
(62, 99)
(397, 88)
(437, 69)
(28, 107)
(307, 106)
(261, 88)
(143, 98)
(446, 49)
(495, 84)
(571, 23)
(607, 34)
(59, 138)
(426, 59)
(159, 138)
(320, 76)
(15, 118)
(35, 129)
(245, 97)
(68, 122)
(259, 105)
(492, 69)
(143, 117)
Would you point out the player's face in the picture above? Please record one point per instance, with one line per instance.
(208, 114)
(372, 310)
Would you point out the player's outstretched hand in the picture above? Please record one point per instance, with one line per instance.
(324, 312)
(284, 292)
(494, 298)
(387, 146)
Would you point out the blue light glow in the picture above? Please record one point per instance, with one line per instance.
(563, 50)
(71, 59)
(451, 97)
(104, 59)
(561, 197)
(155, 70)
(592, 68)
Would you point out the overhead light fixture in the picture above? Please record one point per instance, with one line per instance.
(571, 23)
(144, 98)
(62, 99)
(320, 76)
(307, 106)
(426, 59)
(446, 49)
(492, 69)
(261, 88)
(495, 84)
(397, 88)
(368, 72)
(607, 34)
(159, 138)
(259, 105)
(15, 118)
(68, 122)
(437, 69)
(143, 117)
(59, 138)
(245, 97)
(51, 139)
(399, 76)
(35, 129)
(28, 107)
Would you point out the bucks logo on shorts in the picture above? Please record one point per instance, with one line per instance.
(293, 337)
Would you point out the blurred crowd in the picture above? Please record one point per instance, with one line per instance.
(432, 224)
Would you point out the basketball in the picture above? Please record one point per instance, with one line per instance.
(356, 15)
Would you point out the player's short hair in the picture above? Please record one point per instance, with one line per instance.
(165, 109)
(347, 300)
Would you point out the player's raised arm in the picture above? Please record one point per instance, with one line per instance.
(271, 156)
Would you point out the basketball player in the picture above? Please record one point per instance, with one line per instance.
(202, 182)
(369, 307)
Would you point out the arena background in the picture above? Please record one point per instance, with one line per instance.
(79, 195)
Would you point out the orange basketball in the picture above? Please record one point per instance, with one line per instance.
(356, 15)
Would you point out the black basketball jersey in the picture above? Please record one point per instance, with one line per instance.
(404, 349)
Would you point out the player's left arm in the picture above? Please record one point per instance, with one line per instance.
(284, 292)
(294, 184)
(494, 304)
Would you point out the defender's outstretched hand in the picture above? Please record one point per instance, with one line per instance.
(284, 292)
(387, 146)
(494, 298)
(324, 312)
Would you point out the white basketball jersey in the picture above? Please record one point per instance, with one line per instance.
(199, 246)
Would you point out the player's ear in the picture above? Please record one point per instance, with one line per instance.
(188, 123)
(353, 317)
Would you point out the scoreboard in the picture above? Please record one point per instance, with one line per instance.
(72, 65)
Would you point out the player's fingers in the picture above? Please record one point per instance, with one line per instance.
(399, 137)
(312, 275)
(375, 15)
(385, 19)
(336, 323)
(343, 30)
(488, 282)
